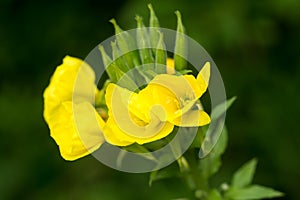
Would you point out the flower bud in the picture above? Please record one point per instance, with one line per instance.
(180, 45)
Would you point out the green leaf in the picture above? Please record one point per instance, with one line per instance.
(243, 176)
(210, 136)
(222, 108)
(221, 145)
(180, 45)
(214, 195)
(252, 192)
(212, 162)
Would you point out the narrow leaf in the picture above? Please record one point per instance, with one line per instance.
(243, 176)
(212, 162)
(252, 192)
(220, 109)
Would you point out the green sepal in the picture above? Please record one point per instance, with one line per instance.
(111, 68)
(117, 57)
(160, 55)
(154, 28)
(126, 44)
(143, 42)
(115, 74)
(184, 72)
(180, 52)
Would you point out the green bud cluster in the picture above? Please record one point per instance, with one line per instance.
(136, 60)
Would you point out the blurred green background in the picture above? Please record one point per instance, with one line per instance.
(254, 43)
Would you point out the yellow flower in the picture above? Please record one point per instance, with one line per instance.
(141, 118)
(124, 127)
(177, 96)
(59, 109)
(151, 114)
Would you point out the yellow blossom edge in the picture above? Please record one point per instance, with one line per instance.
(61, 87)
(80, 136)
(72, 79)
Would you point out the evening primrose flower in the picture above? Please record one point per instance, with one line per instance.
(151, 114)
(178, 96)
(59, 109)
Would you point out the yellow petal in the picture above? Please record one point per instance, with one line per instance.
(150, 97)
(192, 118)
(124, 127)
(80, 136)
(61, 87)
(170, 66)
(203, 77)
(186, 90)
(116, 136)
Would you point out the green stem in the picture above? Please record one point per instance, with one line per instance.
(200, 182)
(193, 175)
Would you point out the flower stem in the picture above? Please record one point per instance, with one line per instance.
(195, 178)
